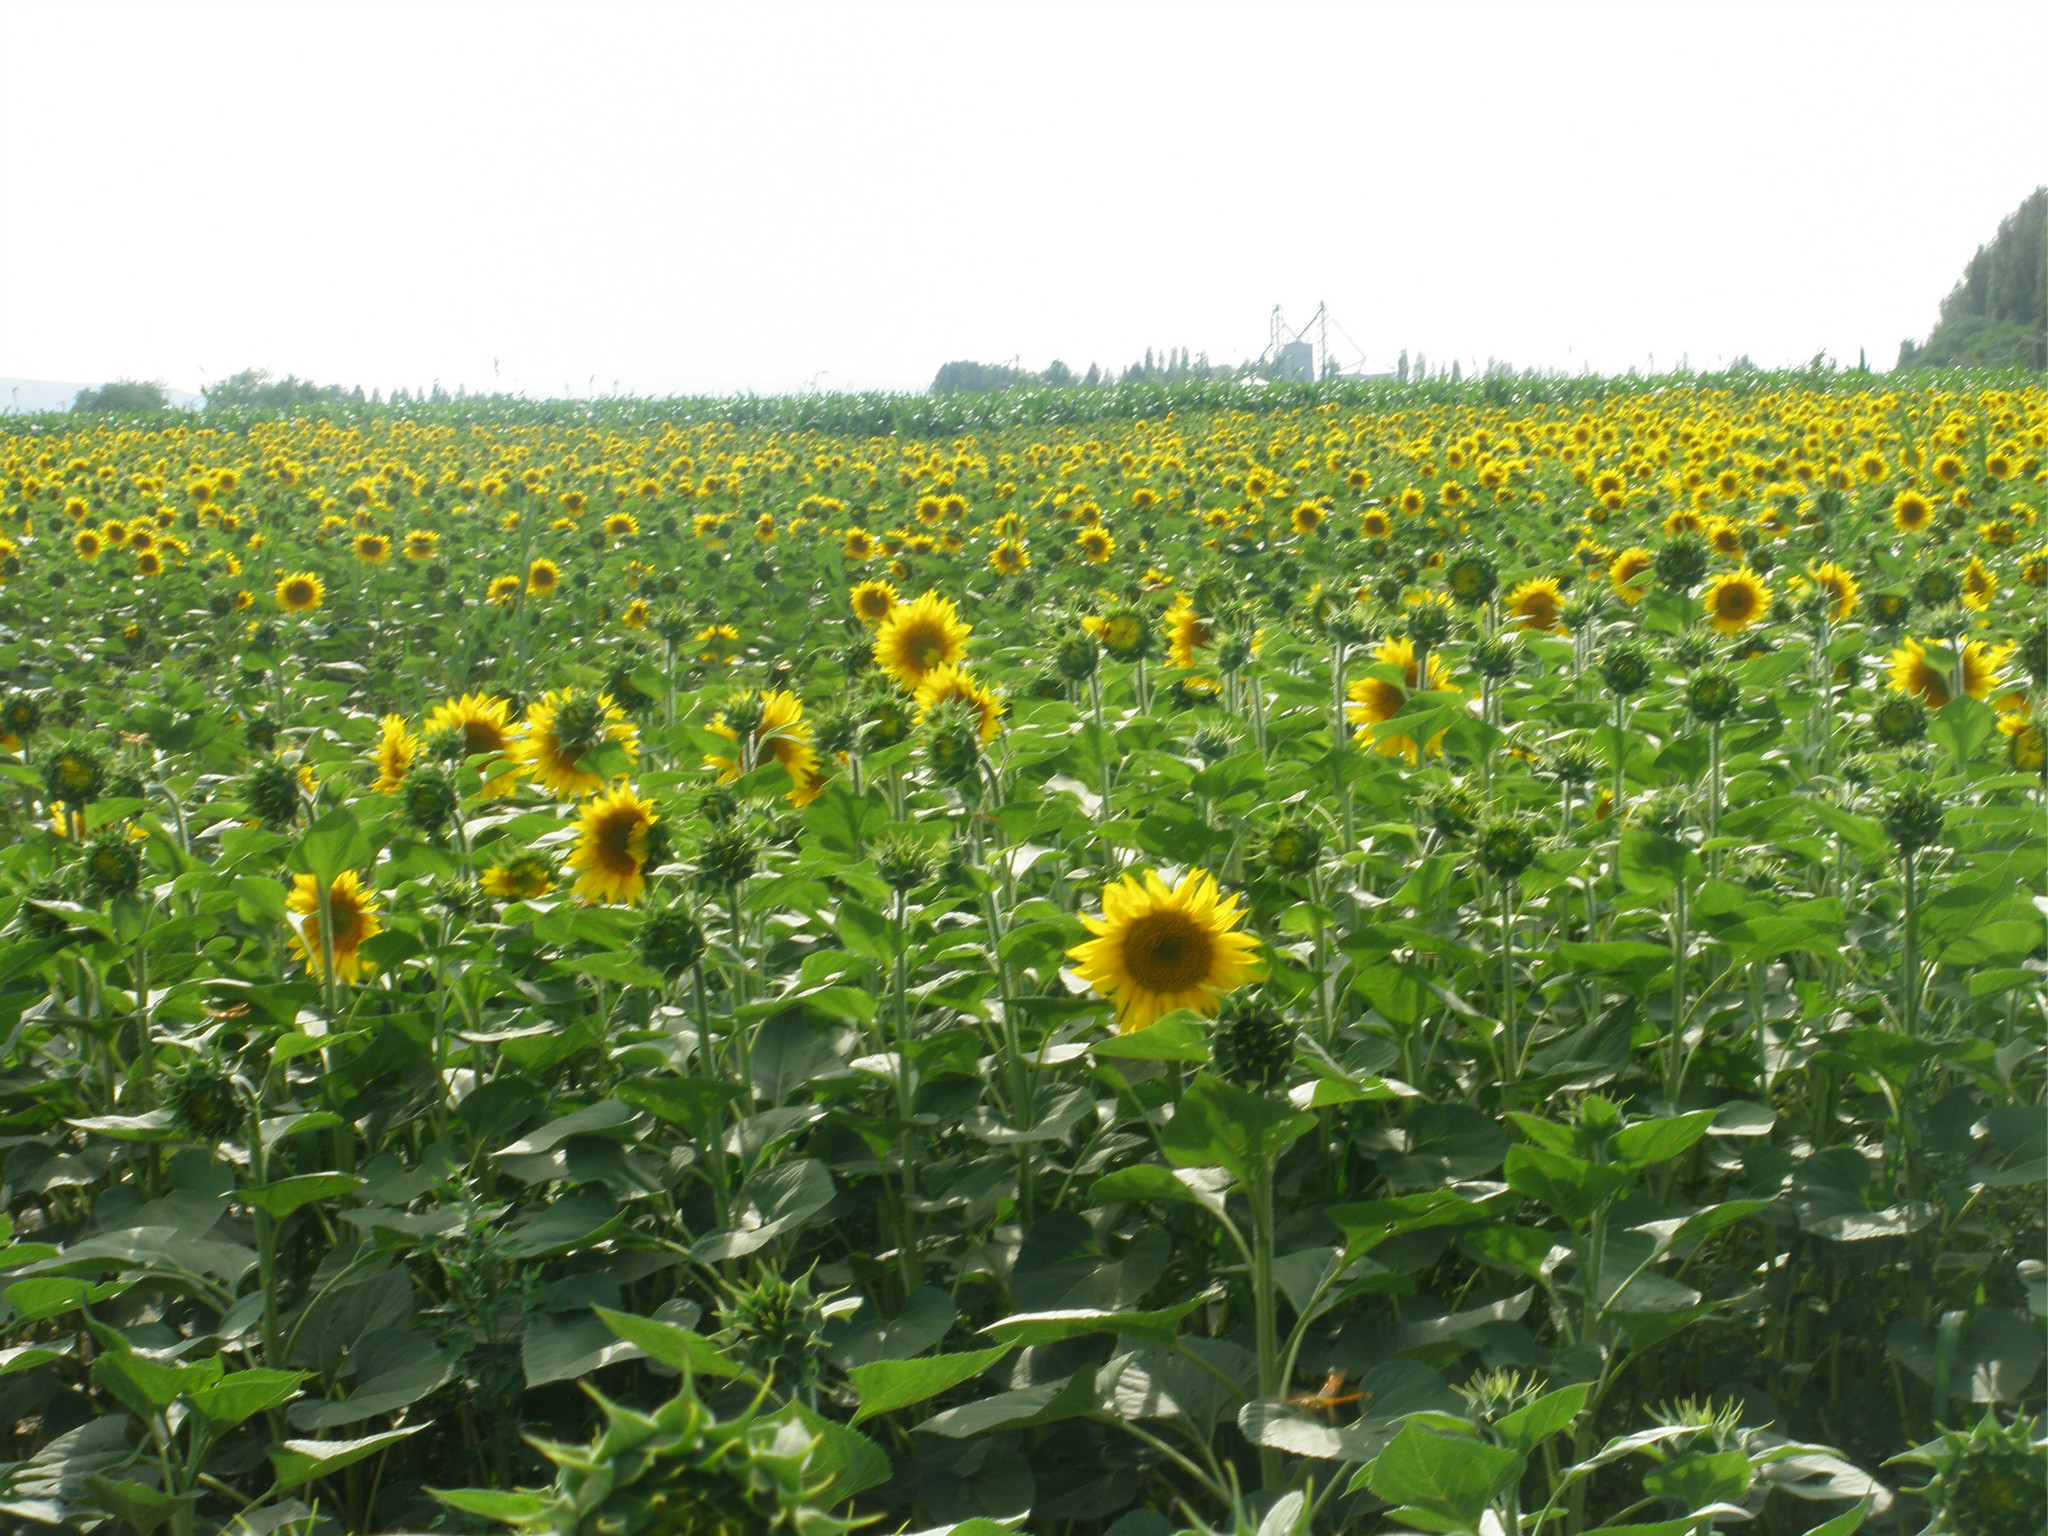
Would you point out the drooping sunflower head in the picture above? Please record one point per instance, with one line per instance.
(917, 638)
(614, 831)
(1157, 949)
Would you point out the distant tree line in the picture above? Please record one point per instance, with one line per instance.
(123, 395)
(1175, 365)
(1997, 316)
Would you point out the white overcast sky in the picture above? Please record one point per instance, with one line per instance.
(663, 198)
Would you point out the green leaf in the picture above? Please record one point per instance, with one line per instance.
(867, 932)
(493, 1504)
(1159, 1326)
(1448, 1475)
(146, 1387)
(887, 1385)
(684, 1101)
(848, 1461)
(1222, 1125)
(1149, 1181)
(1369, 1223)
(157, 1125)
(1963, 725)
(34, 1300)
(283, 1196)
(1180, 1036)
(332, 844)
(1552, 1414)
(1572, 1187)
(778, 1200)
(244, 1394)
(1649, 1142)
(1847, 1523)
(675, 1347)
(137, 1504)
(301, 1461)
(1649, 863)
(1524, 1250)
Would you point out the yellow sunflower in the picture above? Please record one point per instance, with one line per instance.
(1009, 558)
(918, 638)
(396, 748)
(1187, 631)
(1911, 511)
(562, 728)
(1536, 603)
(542, 577)
(1979, 585)
(519, 879)
(372, 548)
(949, 682)
(873, 601)
(636, 614)
(1376, 700)
(2026, 747)
(783, 733)
(611, 845)
(1735, 601)
(485, 728)
(1841, 588)
(354, 912)
(300, 592)
(1096, 545)
(1156, 949)
(1932, 680)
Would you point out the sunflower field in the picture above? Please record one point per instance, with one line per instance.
(1095, 962)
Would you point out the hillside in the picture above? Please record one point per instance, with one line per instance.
(1997, 315)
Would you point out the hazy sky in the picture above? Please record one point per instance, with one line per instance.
(765, 196)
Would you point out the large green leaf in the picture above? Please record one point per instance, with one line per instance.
(1220, 1125)
(887, 1385)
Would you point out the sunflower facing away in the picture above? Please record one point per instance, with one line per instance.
(562, 728)
(784, 733)
(396, 747)
(950, 683)
(611, 846)
(918, 638)
(354, 913)
(1156, 949)
(482, 721)
(1735, 601)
